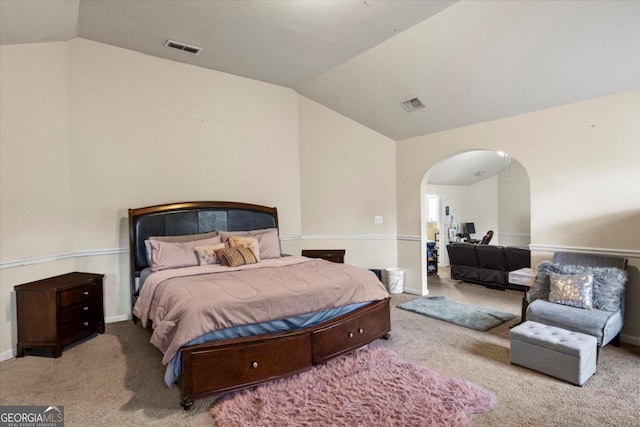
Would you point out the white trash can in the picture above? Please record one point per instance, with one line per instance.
(394, 280)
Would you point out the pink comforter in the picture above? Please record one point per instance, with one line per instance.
(189, 302)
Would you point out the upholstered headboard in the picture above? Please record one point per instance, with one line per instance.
(191, 218)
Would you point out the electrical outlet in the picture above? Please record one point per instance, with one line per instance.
(377, 219)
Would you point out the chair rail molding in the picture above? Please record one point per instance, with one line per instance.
(538, 247)
(117, 251)
(626, 253)
(59, 257)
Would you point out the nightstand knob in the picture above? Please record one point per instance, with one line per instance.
(361, 331)
(86, 323)
(254, 365)
(86, 292)
(85, 308)
(350, 334)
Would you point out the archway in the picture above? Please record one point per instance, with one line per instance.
(487, 188)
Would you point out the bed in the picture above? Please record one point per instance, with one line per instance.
(232, 356)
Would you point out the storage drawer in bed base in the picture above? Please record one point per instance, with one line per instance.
(353, 332)
(244, 363)
(225, 366)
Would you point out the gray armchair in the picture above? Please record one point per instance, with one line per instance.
(606, 319)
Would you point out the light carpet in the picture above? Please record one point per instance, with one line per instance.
(371, 386)
(467, 315)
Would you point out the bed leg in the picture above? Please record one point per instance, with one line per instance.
(386, 336)
(186, 403)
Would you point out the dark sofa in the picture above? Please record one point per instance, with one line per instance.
(487, 265)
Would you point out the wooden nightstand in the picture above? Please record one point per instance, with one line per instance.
(333, 255)
(58, 311)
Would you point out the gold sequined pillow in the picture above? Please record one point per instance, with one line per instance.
(236, 256)
(246, 241)
(575, 290)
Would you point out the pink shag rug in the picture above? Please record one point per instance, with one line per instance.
(369, 387)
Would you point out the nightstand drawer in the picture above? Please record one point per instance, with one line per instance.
(82, 295)
(80, 326)
(78, 319)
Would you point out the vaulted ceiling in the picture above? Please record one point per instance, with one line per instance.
(466, 61)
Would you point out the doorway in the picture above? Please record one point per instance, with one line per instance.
(487, 188)
(433, 216)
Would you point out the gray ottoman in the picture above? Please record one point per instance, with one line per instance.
(570, 356)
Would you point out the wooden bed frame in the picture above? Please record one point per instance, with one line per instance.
(229, 365)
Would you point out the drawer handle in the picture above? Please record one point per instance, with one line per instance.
(85, 308)
(254, 365)
(86, 292)
(86, 323)
(361, 331)
(350, 334)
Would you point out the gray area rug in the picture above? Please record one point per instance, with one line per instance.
(467, 315)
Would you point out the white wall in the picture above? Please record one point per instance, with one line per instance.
(476, 203)
(582, 160)
(501, 203)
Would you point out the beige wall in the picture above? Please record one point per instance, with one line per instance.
(35, 185)
(34, 139)
(347, 177)
(514, 206)
(90, 130)
(146, 130)
(582, 160)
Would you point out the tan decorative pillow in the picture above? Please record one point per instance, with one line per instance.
(236, 256)
(207, 254)
(226, 234)
(248, 242)
(267, 238)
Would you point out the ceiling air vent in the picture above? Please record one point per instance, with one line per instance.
(412, 105)
(183, 47)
